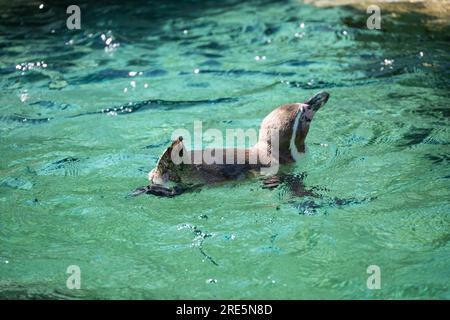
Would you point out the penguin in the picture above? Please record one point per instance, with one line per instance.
(281, 141)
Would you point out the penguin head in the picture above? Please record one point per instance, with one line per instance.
(292, 122)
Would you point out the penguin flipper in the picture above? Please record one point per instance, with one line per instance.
(292, 182)
(271, 182)
(158, 190)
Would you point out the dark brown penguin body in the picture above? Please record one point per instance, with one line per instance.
(175, 170)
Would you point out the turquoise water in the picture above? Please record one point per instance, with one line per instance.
(380, 146)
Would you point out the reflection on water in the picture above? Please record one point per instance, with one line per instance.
(84, 115)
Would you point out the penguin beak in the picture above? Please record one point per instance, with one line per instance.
(318, 100)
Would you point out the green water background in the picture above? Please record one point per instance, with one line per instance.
(382, 139)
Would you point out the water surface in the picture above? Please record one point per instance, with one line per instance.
(71, 151)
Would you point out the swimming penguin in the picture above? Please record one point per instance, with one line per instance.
(281, 141)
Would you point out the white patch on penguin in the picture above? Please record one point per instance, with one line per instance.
(294, 151)
(156, 178)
